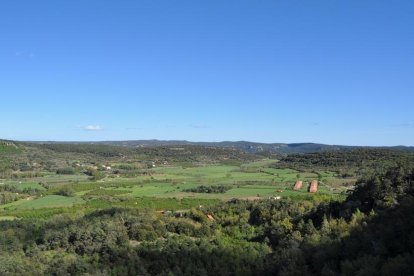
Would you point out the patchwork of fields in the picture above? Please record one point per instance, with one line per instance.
(167, 188)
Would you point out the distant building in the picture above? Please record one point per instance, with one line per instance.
(210, 217)
(313, 188)
(298, 185)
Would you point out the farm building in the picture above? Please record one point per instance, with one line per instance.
(298, 185)
(313, 188)
(210, 217)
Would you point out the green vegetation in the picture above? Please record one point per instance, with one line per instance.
(9, 147)
(346, 162)
(218, 189)
(68, 170)
(265, 237)
(116, 175)
(189, 210)
(7, 218)
(50, 201)
(24, 186)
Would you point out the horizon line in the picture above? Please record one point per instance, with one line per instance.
(189, 141)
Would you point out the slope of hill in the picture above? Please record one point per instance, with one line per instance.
(8, 147)
(246, 146)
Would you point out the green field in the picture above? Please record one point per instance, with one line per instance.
(3, 218)
(165, 188)
(5, 148)
(51, 201)
(21, 186)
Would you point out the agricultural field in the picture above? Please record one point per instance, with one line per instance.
(21, 186)
(50, 201)
(166, 187)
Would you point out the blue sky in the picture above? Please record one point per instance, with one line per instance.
(335, 72)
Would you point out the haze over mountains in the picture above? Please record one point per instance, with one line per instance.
(251, 147)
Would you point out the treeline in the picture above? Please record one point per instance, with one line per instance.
(213, 189)
(10, 193)
(101, 150)
(178, 153)
(347, 162)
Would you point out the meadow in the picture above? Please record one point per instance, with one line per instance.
(166, 188)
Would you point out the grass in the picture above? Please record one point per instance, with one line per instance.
(25, 185)
(154, 203)
(50, 201)
(260, 164)
(173, 204)
(106, 192)
(4, 218)
(250, 192)
(171, 181)
(54, 179)
(4, 148)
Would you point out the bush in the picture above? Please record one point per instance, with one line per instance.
(216, 189)
(66, 191)
(95, 175)
(68, 170)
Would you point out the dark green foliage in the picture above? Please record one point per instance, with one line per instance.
(385, 189)
(65, 191)
(214, 189)
(186, 256)
(347, 162)
(181, 153)
(67, 170)
(126, 167)
(95, 174)
(105, 237)
(102, 150)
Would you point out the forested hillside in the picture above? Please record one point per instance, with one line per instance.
(347, 162)
(246, 146)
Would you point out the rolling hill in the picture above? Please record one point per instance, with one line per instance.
(246, 146)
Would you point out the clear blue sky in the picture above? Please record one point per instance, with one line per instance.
(336, 72)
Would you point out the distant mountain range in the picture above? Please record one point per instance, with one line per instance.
(250, 147)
